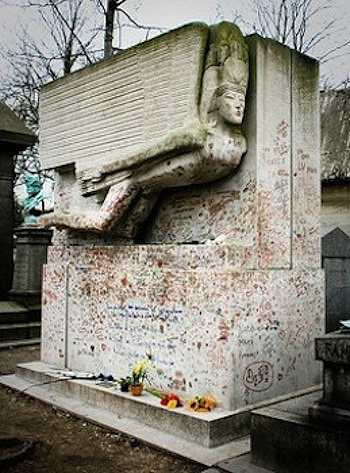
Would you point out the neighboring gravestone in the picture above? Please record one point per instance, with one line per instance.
(31, 254)
(31, 248)
(334, 351)
(236, 314)
(14, 137)
(336, 263)
(309, 435)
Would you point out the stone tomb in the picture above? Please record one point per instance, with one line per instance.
(308, 434)
(224, 288)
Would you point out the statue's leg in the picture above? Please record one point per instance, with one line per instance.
(116, 203)
(137, 214)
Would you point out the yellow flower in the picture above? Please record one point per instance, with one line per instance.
(172, 404)
(193, 404)
(201, 404)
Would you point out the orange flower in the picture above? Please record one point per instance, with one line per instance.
(209, 403)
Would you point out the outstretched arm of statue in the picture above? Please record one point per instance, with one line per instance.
(147, 180)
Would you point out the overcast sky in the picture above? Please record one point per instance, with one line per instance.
(170, 14)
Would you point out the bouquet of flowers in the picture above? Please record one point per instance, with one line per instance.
(171, 401)
(202, 403)
(139, 373)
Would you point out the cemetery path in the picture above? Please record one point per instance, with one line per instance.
(66, 444)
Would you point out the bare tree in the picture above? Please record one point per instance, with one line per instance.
(70, 33)
(65, 42)
(305, 25)
(117, 18)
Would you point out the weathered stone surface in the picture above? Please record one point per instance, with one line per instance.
(337, 272)
(285, 441)
(336, 263)
(336, 382)
(234, 318)
(329, 415)
(141, 107)
(209, 330)
(335, 134)
(336, 244)
(54, 315)
(334, 348)
(255, 210)
(305, 139)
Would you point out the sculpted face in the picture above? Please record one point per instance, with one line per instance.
(33, 186)
(231, 106)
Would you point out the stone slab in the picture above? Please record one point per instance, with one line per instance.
(31, 254)
(19, 343)
(283, 439)
(99, 409)
(337, 272)
(336, 244)
(334, 348)
(328, 415)
(240, 464)
(208, 429)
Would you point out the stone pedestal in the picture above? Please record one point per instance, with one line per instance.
(334, 408)
(31, 254)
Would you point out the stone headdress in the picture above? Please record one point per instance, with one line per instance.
(226, 65)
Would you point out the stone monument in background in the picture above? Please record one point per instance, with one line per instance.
(14, 137)
(224, 286)
(31, 249)
(19, 306)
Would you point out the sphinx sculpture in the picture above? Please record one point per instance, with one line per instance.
(208, 146)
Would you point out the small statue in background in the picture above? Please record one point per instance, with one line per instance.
(34, 198)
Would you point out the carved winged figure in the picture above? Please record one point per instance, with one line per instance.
(210, 148)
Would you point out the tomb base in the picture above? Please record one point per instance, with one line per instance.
(204, 437)
(243, 336)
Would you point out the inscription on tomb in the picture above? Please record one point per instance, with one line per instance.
(132, 330)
